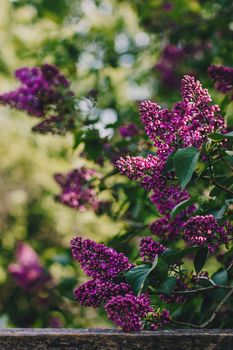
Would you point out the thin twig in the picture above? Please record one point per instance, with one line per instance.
(200, 290)
(222, 187)
(229, 266)
(203, 325)
(185, 324)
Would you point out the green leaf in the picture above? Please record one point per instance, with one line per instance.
(138, 275)
(229, 135)
(219, 137)
(77, 138)
(181, 206)
(185, 161)
(218, 214)
(200, 259)
(220, 277)
(93, 144)
(172, 257)
(162, 269)
(216, 137)
(168, 285)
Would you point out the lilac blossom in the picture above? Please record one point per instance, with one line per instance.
(167, 199)
(205, 230)
(95, 292)
(97, 260)
(128, 311)
(27, 271)
(147, 171)
(187, 124)
(43, 90)
(150, 249)
(167, 228)
(128, 130)
(76, 190)
(169, 61)
(222, 77)
(159, 319)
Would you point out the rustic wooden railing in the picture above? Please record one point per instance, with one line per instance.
(93, 339)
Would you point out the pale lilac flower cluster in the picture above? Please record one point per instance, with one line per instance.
(222, 77)
(147, 171)
(27, 271)
(103, 264)
(128, 130)
(159, 319)
(43, 90)
(149, 249)
(76, 190)
(205, 231)
(128, 311)
(169, 62)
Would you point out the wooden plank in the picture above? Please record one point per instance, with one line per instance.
(97, 339)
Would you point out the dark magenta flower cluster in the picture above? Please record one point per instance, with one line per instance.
(168, 64)
(98, 291)
(97, 260)
(187, 124)
(159, 319)
(149, 249)
(43, 91)
(103, 264)
(205, 230)
(128, 311)
(27, 271)
(128, 130)
(77, 191)
(222, 77)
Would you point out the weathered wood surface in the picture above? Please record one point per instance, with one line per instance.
(93, 339)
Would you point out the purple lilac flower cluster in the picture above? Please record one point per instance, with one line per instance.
(149, 249)
(95, 292)
(205, 230)
(103, 264)
(168, 64)
(159, 319)
(186, 125)
(97, 260)
(27, 271)
(128, 130)
(222, 77)
(128, 311)
(147, 170)
(44, 90)
(77, 191)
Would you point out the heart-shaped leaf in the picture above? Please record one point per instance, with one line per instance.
(185, 161)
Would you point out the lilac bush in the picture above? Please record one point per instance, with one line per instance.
(193, 132)
(185, 170)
